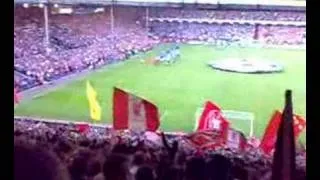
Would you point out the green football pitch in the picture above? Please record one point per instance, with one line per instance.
(180, 89)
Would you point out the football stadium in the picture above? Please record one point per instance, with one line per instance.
(186, 89)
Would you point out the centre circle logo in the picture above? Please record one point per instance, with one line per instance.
(253, 66)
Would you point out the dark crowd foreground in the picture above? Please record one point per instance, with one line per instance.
(60, 152)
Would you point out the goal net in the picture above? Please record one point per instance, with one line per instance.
(239, 120)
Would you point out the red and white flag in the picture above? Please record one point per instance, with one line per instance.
(132, 112)
(212, 119)
(236, 140)
(270, 135)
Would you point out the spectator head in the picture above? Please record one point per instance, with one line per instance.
(195, 169)
(79, 164)
(173, 173)
(145, 173)
(218, 168)
(138, 158)
(116, 167)
(121, 149)
(93, 168)
(34, 163)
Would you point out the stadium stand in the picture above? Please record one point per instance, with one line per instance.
(82, 41)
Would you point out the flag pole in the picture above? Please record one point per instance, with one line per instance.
(46, 27)
(164, 114)
(111, 18)
(197, 118)
(284, 164)
(251, 127)
(147, 18)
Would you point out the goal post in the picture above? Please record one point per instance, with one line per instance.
(238, 119)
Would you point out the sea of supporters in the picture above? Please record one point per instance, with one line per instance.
(99, 153)
(82, 42)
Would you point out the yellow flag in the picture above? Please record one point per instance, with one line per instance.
(95, 109)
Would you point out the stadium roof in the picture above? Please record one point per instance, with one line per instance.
(176, 3)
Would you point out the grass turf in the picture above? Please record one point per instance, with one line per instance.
(181, 88)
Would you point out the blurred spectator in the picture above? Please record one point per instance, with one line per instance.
(195, 169)
(116, 167)
(34, 163)
(219, 167)
(145, 173)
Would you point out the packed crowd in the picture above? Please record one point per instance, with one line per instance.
(202, 32)
(85, 41)
(231, 14)
(76, 43)
(279, 35)
(65, 151)
(241, 33)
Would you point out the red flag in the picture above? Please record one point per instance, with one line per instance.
(214, 145)
(16, 97)
(270, 134)
(132, 112)
(82, 128)
(206, 139)
(268, 141)
(212, 119)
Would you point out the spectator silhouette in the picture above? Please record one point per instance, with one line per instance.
(116, 167)
(218, 168)
(145, 173)
(32, 162)
(195, 169)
